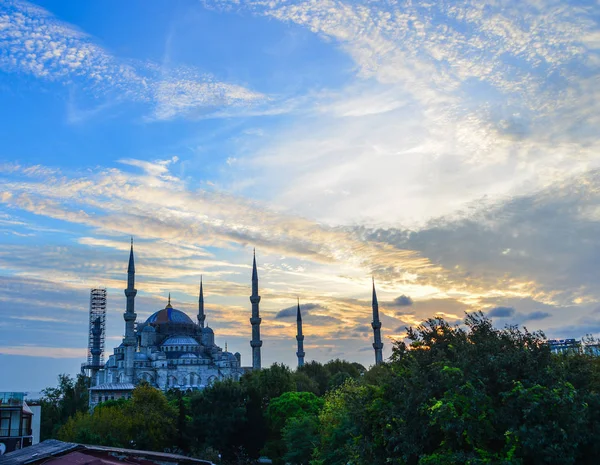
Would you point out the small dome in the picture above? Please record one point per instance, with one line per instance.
(188, 355)
(140, 356)
(148, 329)
(169, 315)
(229, 356)
(207, 330)
(180, 341)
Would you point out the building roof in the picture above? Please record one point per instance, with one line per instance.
(63, 453)
(26, 409)
(169, 315)
(38, 452)
(113, 387)
(180, 341)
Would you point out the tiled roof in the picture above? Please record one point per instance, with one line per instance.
(48, 448)
(114, 387)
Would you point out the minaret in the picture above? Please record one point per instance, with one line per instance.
(255, 343)
(376, 325)
(130, 341)
(201, 315)
(299, 337)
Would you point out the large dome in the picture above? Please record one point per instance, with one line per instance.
(169, 315)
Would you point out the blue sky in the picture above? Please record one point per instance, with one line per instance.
(449, 149)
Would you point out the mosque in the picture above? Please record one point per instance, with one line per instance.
(171, 351)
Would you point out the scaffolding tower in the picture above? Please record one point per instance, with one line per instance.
(95, 358)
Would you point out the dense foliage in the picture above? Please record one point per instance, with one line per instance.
(146, 421)
(61, 402)
(471, 394)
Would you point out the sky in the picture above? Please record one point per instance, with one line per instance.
(448, 149)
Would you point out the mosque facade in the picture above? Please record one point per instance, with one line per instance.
(169, 350)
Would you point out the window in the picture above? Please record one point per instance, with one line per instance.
(5, 423)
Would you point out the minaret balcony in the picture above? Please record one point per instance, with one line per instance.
(130, 292)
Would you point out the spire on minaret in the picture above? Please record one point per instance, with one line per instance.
(255, 320)
(376, 325)
(374, 293)
(130, 340)
(299, 337)
(254, 273)
(201, 315)
(131, 268)
(298, 314)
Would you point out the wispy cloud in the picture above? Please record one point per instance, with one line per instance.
(45, 352)
(451, 103)
(34, 42)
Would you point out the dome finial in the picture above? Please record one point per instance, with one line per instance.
(225, 346)
(169, 302)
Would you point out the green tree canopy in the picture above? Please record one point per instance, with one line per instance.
(61, 402)
(146, 421)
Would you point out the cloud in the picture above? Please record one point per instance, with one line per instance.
(34, 42)
(536, 316)
(468, 101)
(46, 352)
(435, 49)
(501, 312)
(291, 311)
(402, 301)
(539, 245)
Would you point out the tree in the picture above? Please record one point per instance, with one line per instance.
(106, 426)
(305, 383)
(352, 369)
(153, 419)
(218, 417)
(301, 437)
(146, 421)
(60, 403)
(318, 373)
(260, 387)
(281, 410)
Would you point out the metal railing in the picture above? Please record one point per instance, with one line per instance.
(11, 399)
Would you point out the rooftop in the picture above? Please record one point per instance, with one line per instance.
(113, 387)
(56, 452)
